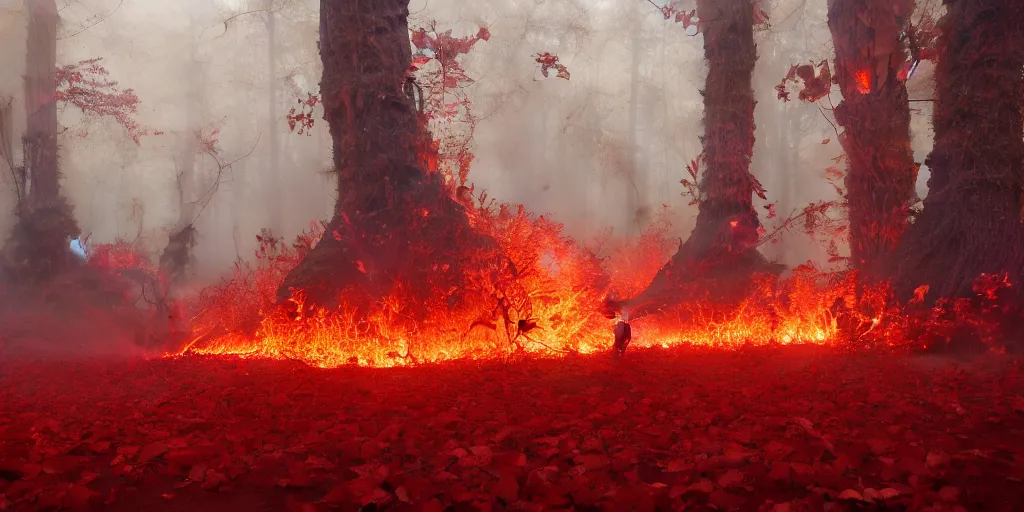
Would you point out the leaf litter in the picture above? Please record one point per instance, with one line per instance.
(762, 429)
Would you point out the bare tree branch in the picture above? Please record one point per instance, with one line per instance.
(97, 22)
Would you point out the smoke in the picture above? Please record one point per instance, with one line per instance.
(603, 150)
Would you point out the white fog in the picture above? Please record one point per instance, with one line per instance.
(604, 149)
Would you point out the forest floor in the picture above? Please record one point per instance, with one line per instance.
(780, 429)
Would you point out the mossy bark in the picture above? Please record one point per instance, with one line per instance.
(972, 221)
(875, 116)
(395, 224)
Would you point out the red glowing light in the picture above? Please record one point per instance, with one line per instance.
(863, 78)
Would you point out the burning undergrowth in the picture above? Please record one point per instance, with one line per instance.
(534, 291)
(544, 298)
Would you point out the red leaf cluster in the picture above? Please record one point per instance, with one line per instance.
(302, 118)
(86, 85)
(120, 254)
(692, 190)
(686, 18)
(548, 62)
(449, 77)
(444, 47)
(207, 139)
(447, 110)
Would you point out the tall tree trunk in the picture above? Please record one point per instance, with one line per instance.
(972, 217)
(395, 224)
(43, 185)
(632, 187)
(363, 44)
(178, 252)
(274, 198)
(729, 48)
(39, 242)
(7, 145)
(722, 245)
(875, 116)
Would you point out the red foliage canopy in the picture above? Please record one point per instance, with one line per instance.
(86, 85)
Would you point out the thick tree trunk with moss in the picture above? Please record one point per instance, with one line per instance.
(875, 116)
(38, 246)
(721, 252)
(393, 220)
(972, 217)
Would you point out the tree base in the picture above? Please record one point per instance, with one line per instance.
(713, 264)
(418, 250)
(37, 249)
(329, 274)
(957, 239)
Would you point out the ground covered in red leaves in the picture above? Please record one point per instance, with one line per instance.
(771, 429)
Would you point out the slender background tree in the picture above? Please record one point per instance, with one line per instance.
(38, 246)
(723, 244)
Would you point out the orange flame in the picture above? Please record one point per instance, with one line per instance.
(561, 290)
(552, 306)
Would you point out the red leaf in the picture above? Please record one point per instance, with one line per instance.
(151, 452)
(214, 480)
(506, 489)
(80, 497)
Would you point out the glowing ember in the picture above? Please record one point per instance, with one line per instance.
(863, 78)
